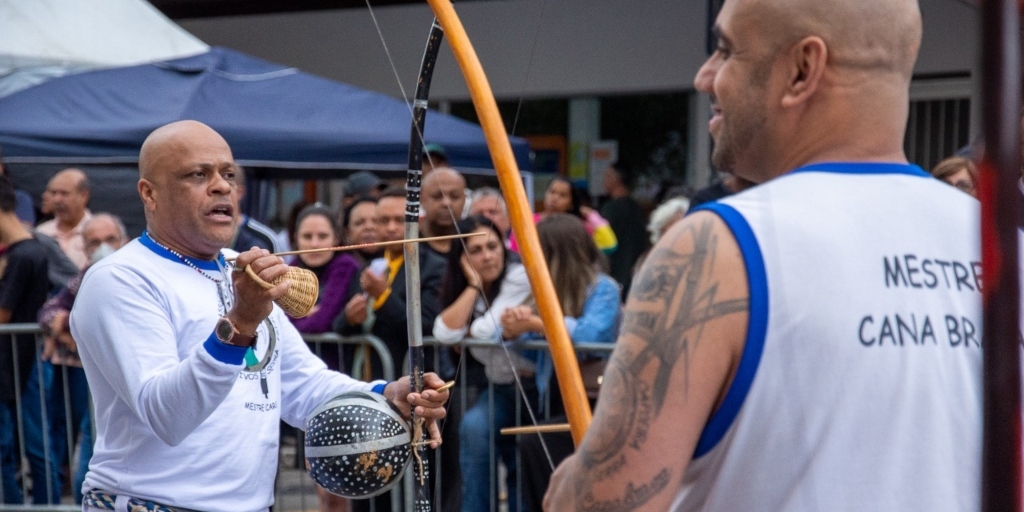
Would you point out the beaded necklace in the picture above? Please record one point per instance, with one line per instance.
(224, 291)
(186, 260)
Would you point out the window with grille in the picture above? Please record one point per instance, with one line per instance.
(939, 121)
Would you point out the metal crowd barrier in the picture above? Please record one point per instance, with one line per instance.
(403, 500)
(22, 430)
(498, 493)
(294, 489)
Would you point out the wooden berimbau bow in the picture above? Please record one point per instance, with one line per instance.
(563, 356)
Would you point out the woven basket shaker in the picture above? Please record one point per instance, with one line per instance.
(299, 300)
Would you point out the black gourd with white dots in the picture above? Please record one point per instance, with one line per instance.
(357, 445)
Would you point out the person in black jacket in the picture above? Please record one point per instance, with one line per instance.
(382, 285)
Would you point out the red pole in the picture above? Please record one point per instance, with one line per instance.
(1000, 205)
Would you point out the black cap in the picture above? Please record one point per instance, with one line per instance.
(363, 182)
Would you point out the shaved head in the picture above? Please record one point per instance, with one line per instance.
(870, 35)
(187, 185)
(444, 176)
(171, 141)
(443, 199)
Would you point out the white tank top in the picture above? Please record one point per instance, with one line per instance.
(859, 387)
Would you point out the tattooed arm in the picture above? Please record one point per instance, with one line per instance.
(682, 336)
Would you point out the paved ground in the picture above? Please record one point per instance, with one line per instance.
(295, 491)
(294, 488)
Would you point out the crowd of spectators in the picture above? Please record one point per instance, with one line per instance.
(474, 288)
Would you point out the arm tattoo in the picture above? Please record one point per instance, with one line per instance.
(633, 498)
(670, 305)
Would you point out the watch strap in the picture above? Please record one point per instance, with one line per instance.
(244, 340)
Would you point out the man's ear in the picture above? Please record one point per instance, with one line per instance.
(147, 193)
(807, 60)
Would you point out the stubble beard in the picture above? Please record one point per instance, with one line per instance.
(721, 157)
(744, 134)
(744, 131)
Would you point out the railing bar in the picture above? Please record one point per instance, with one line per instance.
(18, 413)
(319, 347)
(69, 422)
(44, 417)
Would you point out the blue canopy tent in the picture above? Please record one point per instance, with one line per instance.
(271, 115)
(281, 123)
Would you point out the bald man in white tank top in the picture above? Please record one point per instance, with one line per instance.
(812, 343)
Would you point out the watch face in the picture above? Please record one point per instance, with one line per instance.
(225, 330)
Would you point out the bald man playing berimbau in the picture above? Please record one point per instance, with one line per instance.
(191, 365)
(812, 343)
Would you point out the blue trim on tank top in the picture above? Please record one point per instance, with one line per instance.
(757, 327)
(865, 168)
(211, 265)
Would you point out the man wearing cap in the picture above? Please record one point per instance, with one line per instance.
(363, 184)
(23, 206)
(434, 157)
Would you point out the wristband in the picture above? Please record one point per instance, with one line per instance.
(379, 389)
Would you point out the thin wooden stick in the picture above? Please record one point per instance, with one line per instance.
(535, 429)
(375, 244)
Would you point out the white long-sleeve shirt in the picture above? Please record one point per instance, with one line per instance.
(515, 289)
(180, 421)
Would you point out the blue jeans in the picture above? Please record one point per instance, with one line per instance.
(84, 455)
(8, 456)
(75, 406)
(476, 432)
(44, 491)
